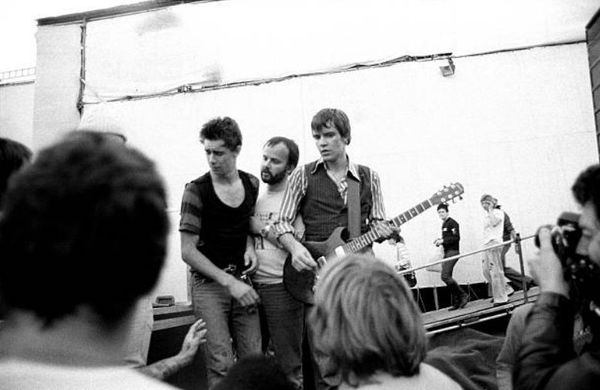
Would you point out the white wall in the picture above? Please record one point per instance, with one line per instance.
(247, 40)
(57, 83)
(16, 112)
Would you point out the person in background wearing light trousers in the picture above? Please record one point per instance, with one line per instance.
(493, 271)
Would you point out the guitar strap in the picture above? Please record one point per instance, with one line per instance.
(353, 208)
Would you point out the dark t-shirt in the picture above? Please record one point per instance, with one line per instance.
(222, 229)
(450, 235)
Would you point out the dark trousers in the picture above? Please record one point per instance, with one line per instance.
(515, 278)
(446, 275)
(285, 323)
(326, 375)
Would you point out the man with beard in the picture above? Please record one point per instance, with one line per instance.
(284, 314)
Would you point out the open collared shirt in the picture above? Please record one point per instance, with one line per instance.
(296, 190)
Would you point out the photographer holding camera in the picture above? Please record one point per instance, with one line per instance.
(567, 270)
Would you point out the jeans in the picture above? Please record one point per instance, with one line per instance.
(494, 273)
(285, 323)
(326, 373)
(446, 275)
(232, 330)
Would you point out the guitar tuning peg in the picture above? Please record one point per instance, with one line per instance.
(460, 197)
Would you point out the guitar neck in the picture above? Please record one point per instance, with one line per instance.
(371, 236)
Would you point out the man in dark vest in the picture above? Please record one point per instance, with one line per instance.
(215, 243)
(318, 191)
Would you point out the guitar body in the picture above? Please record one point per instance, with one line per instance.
(300, 284)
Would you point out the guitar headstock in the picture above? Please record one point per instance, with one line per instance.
(448, 193)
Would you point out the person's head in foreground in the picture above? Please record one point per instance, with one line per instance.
(13, 156)
(365, 318)
(82, 238)
(255, 372)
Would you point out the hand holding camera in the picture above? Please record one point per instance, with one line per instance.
(546, 267)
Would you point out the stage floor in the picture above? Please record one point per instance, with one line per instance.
(475, 312)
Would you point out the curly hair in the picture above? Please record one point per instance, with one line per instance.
(366, 319)
(84, 225)
(225, 129)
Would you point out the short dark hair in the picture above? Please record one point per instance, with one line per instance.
(328, 116)
(13, 155)
(84, 225)
(587, 188)
(117, 135)
(225, 129)
(443, 206)
(293, 152)
(255, 372)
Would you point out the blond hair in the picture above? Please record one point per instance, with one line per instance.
(366, 319)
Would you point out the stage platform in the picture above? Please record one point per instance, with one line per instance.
(475, 312)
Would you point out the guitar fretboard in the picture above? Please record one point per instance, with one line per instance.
(371, 236)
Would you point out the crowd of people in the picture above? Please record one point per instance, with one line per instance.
(83, 235)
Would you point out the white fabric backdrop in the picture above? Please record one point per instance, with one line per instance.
(518, 125)
(238, 40)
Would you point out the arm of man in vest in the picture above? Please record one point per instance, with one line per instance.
(190, 235)
(377, 217)
(294, 192)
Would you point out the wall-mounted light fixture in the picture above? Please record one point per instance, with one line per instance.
(448, 70)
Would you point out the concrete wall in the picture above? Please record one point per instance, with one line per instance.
(57, 83)
(16, 112)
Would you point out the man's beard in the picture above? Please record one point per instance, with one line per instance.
(268, 178)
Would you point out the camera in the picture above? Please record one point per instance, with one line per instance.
(565, 237)
(582, 274)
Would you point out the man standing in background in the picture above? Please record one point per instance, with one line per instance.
(450, 242)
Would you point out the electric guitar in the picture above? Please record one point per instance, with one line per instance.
(300, 284)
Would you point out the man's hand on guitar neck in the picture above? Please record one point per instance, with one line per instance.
(384, 229)
(301, 257)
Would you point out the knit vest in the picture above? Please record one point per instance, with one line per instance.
(322, 207)
(224, 229)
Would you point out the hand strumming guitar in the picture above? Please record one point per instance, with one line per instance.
(300, 256)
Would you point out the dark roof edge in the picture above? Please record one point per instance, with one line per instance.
(114, 11)
(593, 19)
